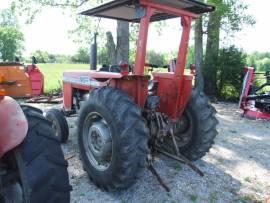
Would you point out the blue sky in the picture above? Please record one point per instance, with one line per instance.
(50, 29)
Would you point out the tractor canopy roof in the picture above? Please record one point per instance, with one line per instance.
(127, 9)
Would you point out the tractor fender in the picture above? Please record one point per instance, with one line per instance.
(13, 125)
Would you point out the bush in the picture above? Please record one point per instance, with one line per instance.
(103, 57)
(41, 56)
(156, 58)
(231, 64)
(82, 56)
(264, 64)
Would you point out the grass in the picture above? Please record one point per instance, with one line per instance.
(248, 179)
(250, 198)
(214, 197)
(53, 74)
(178, 167)
(193, 198)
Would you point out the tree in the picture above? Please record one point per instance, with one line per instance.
(8, 17)
(212, 49)
(229, 16)
(229, 68)
(41, 56)
(198, 52)
(11, 40)
(82, 56)
(156, 58)
(264, 64)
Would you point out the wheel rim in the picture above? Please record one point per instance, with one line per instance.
(55, 127)
(97, 141)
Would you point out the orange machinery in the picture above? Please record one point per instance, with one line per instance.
(21, 81)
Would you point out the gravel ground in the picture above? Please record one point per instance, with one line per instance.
(237, 168)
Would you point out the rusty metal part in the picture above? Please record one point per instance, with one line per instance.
(154, 172)
(51, 99)
(182, 159)
(174, 142)
(150, 167)
(70, 156)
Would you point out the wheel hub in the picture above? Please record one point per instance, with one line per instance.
(100, 142)
(97, 141)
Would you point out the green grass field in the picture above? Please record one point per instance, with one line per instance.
(53, 74)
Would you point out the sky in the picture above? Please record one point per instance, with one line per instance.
(49, 32)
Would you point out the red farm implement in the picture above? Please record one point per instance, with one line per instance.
(125, 118)
(253, 101)
(21, 81)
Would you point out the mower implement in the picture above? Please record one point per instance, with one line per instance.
(254, 103)
(21, 81)
(124, 118)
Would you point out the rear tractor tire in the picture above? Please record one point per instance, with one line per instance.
(112, 138)
(200, 127)
(59, 124)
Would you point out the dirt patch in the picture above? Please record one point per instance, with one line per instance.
(237, 168)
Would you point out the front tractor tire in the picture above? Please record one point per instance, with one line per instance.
(112, 138)
(40, 163)
(200, 126)
(59, 124)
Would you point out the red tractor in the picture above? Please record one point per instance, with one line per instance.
(124, 118)
(32, 164)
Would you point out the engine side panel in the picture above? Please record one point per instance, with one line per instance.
(135, 86)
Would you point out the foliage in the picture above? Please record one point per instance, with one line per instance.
(11, 43)
(103, 57)
(41, 56)
(11, 39)
(264, 64)
(260, 61)
(156, 58)
(233, 16)
(190, 56)
(230, 16)
(231, 63)
(82, 56)
(8, 17)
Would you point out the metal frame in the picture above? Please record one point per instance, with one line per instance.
(245, 103)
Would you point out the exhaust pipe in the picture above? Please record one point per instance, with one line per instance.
(93, 53)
